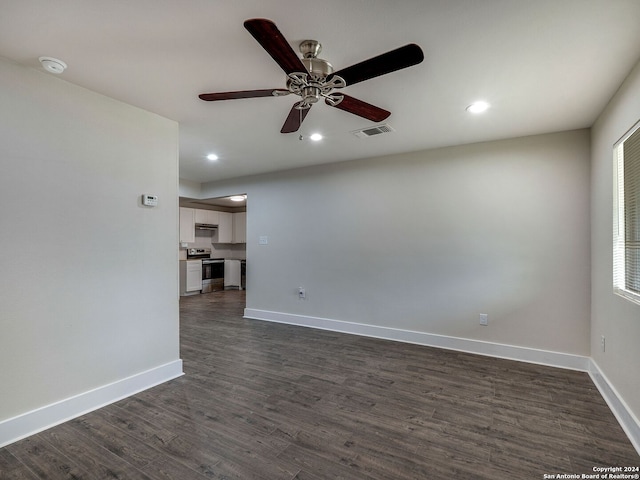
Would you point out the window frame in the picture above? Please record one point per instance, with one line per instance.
(619, 220)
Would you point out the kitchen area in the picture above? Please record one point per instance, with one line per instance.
(212, 248)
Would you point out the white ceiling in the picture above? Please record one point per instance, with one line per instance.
(544, 65)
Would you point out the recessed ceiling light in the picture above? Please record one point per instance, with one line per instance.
(315, 137)
(53, 65)
(237, 198)
(212, 156)
(478, 107)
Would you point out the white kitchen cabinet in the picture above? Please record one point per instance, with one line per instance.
(190, 277)
(194, 275)
(232, 227)
(187, 225)
(207, 217)
(232, 274)
(239, 227)
(225, 227)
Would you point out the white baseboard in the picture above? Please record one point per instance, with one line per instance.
(510, 352)
(17, 428)
(627, 420)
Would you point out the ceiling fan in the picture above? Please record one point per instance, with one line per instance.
(312, 78)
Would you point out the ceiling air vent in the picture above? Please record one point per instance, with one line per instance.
(373, 131)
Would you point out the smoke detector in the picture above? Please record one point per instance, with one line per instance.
(53, 65)
(372, 131)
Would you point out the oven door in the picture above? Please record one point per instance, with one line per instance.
(212, 275)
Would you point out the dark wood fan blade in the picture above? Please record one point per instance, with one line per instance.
(397, 59)
(362, 109)
(268, 35)
(294, 119)
(212, 97)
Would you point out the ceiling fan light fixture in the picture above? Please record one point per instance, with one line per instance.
(478, 107)
(316, 137)
(310, 94)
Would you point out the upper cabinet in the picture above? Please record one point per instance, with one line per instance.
(187, 225)
(207, 217)
(232, 228)
(240, 227)
(225, 227)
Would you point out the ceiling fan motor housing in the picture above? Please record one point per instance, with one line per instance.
(317, 67)
(313, 85)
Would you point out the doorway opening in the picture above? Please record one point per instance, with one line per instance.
(217, 231)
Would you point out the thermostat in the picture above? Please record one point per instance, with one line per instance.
(150, 200)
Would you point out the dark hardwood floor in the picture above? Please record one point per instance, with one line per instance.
(268, 401)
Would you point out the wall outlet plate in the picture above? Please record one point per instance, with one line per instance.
(484, 319)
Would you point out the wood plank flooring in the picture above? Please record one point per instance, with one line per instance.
(268, 401)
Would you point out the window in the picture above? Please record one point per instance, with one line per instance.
(626, 218)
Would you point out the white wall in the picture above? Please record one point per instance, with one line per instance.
(88, 277)
(427, 241)
(189, 188)
(612, 316)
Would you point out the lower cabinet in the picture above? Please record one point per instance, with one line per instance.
(232, 274)
(190, 277)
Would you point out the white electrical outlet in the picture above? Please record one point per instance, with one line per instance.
(302, 293)
(602, 343)
(484, 319)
